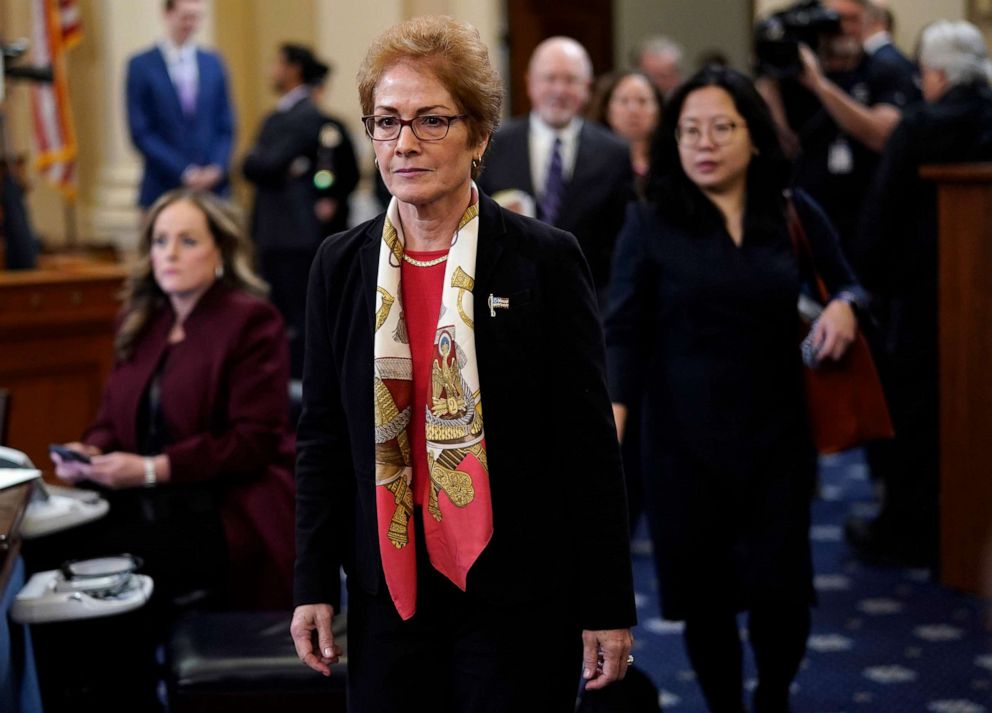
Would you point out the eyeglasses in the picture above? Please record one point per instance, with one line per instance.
(429, 127)
(720, 132)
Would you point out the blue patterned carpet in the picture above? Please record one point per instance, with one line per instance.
(882, 640)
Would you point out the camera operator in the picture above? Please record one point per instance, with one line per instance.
(838, 108)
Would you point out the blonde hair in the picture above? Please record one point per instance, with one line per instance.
(455, 53)
(142, 295)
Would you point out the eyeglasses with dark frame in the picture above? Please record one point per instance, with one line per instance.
(721, 133)
(429, 127)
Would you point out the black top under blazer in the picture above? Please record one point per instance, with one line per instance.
(559, 513)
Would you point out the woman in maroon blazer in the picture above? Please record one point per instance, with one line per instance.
(192, 440)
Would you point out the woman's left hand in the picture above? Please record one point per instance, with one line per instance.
(835, 330)
(117, 470)
(604, 656)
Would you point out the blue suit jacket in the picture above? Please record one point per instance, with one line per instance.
(168, 140)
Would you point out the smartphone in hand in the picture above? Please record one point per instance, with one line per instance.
(67, 454)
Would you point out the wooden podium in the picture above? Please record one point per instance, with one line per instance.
(965, 328)
(56, 350)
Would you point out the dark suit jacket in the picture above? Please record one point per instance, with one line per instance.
(284, 216)
(225, 403)
(560, 528)
(595, 197)
(891, 69)
(168, 140)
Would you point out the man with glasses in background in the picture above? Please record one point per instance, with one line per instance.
(577, 172)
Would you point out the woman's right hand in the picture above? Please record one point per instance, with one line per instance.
(71, 470)
(313, 638)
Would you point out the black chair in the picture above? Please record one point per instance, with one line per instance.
(245, 662)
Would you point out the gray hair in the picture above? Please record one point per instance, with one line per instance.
(958, 50)
(657, 44)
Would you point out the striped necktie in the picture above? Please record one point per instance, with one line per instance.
(554, 186)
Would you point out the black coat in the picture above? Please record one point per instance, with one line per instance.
(560, 528)
(896, 253)
(895, 73)
(595, 196)
(282, 163)
(705, 334)
(897, 256)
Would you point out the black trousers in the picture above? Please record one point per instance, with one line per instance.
(777, 633)
(460, 653)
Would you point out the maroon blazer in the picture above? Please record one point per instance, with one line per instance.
(225, 404)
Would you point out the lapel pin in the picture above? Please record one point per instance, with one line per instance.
(496, 303)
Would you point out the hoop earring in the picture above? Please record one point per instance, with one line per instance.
(376, 161)
(219, 271)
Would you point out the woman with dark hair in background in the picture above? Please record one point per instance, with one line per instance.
(303, 167)
(702, 329)
(630, 105)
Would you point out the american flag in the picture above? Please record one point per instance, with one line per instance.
(56, 29)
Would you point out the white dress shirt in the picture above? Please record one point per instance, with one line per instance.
(181, 63)
(876, 42)
(293, 97)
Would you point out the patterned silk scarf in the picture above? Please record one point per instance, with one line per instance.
(458, 523)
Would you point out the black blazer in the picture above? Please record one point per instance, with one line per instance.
(896, 254)
(283, 217)
(595, 197)
(559, 512)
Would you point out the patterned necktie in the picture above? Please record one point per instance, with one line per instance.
(185, 84)
(554, 186)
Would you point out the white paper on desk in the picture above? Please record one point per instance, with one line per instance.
(16, 476)
(18, 458)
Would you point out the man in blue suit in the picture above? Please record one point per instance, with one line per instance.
(178, 109)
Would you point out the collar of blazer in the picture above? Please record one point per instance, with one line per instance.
(492, 227)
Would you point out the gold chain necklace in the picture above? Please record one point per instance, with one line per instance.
(425, 263)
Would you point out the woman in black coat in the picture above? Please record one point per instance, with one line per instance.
(703, 328)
